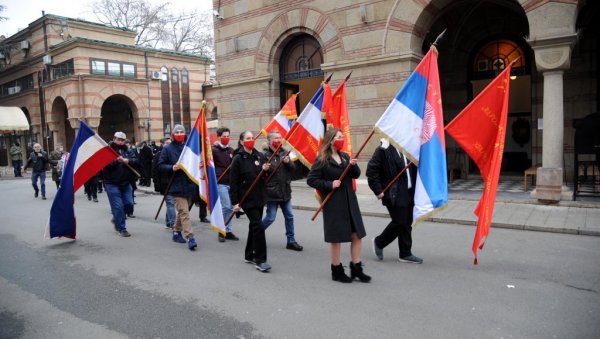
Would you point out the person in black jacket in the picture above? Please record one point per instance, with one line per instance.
(161, 181)
(245, 167)
(279, 190)
(117, 177)
(182, 188)
(39, 161)
(222, 157)
(385, 164)
(342, 221)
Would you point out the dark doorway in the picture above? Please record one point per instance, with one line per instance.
(117, 115)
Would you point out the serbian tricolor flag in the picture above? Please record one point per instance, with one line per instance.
(480, 130)
(307, 132)
(284, 119)
(197, 163)
(88, 156)
(413, 123)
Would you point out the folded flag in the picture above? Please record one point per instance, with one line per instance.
(88, 156)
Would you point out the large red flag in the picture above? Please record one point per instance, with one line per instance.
(480, 130)
(338, 118)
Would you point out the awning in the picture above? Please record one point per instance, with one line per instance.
(12, 119)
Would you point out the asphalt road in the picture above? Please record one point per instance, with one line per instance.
(527, 284)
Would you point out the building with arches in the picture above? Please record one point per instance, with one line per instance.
(61, 70)
(266, 50)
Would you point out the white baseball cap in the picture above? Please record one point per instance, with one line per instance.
(120, 135)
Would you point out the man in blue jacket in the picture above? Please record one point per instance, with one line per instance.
(182, 188)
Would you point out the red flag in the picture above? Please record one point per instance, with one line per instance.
(480, 130)
(284, 119)
(327, 102)
(338, 118)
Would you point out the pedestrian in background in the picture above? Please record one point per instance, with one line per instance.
(16, 156)
(384, 165)
(245, 168)
(117, 178)
(342, 221)
(279, 189)
(54, 158)
(182, 188)
(38, 159)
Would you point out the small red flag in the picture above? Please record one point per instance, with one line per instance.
(480, 130)
(338, 118)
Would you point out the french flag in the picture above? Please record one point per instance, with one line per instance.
(414, 124)
(88, 156)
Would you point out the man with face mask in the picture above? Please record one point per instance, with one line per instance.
(54, 159)
(117, 176)
(222, 155)
(182, 188)
(39, 161)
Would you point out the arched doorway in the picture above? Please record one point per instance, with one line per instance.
(66, 134)
(485, 36)
(300, 68)
(117, 114)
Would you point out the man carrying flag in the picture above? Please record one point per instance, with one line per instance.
(182, 188)
(88, 156)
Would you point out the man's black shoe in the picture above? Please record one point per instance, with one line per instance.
(239, 214)
(124, 234)
(221, 238)
(231, 236)
(294, 246)
(36, 194)
(130, 216)
(204, 219)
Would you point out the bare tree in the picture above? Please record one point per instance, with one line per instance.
(2, 8)
(157, 27)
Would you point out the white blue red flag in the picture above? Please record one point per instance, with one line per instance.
(88, 156)
(195, 155)
(306, 133)
(413, 122)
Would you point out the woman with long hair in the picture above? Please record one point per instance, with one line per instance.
(245, 167)
(342, 221)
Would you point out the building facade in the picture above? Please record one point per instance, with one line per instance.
(267, 49)
(61, 70)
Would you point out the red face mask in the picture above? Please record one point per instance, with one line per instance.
(224, 141)
(249, 144)
(179, 137)
(276, 143)
(338, 144)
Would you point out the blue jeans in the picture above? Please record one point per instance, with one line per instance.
(286, 208)
(121, 202)
(34, 178)
(171, 214)
(17, 167)
(225, 205)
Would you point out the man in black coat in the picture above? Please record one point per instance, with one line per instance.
(38, 159)
(385, 164)
(279, 190)
(182, 188)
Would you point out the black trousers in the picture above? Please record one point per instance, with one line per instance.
(256, 245)
(399, 227)
(91, 187)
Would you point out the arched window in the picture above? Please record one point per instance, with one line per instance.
(495, 55)
(301, 58)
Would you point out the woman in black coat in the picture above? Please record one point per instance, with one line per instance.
(245, 167)
(342, 221)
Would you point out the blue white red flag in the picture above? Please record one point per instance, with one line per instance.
(88, 156)
(195, 155)
(413, 122)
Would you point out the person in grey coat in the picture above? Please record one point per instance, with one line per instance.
(342, 221)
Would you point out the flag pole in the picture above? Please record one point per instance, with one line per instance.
(396, 177)
(165, 196)
(278, 166)
(342, 176)
(258, 177)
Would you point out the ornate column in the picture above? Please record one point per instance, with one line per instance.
(552, 57)
(74, 124)
(93, 122)
(54, 127)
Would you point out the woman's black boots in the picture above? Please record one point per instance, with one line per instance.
(356, 271)
(337, 274)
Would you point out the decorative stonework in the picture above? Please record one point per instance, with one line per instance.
(553, 54)
(93, 122)
(74, 123)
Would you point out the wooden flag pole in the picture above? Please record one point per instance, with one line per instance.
(278, 166)
(396, 178)
(342, 176)
(164, 196)
(253, 185)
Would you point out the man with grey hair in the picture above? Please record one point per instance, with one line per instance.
(39, 161)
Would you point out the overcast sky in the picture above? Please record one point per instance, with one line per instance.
(21, 13)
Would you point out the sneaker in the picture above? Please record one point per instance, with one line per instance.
(378, 251)
(130, 215)
(294, 246)
(231, 236)
(43, 197)
(192, 244)
(249, 261)
(204, 220)
(177, 237)
(36, 194)
(169, 227)
(412, 259)
(95, 199)
(221, 238)
(124, 234)
(263, 267)
(89, 198)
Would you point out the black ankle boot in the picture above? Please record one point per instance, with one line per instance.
(356, 271)
(337, 274)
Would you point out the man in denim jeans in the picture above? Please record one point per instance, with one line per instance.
(39, 161)
(279, 191)
(222, 155)
(117, 177)
(161, 181)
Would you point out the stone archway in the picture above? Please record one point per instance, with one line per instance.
(63, 132)
(118, 113)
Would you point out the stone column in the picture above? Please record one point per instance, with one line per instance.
(552, 57)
